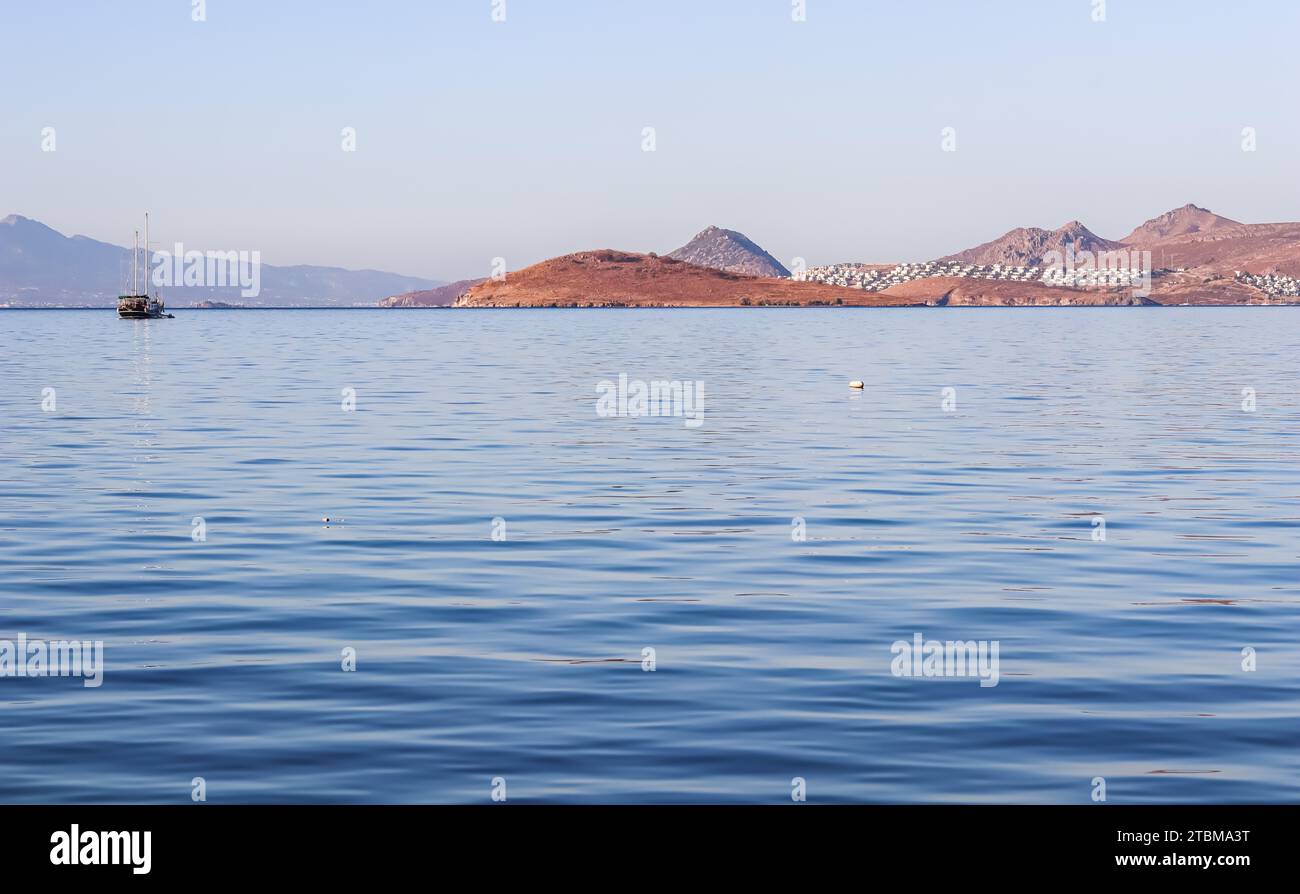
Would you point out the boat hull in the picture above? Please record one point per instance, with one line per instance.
(140, 307)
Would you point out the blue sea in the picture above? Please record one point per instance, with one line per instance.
(550, 604)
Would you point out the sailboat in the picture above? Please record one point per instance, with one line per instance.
(138, 305)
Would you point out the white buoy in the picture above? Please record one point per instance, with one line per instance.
(856, 384)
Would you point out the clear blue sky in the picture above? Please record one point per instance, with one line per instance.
(523, 139)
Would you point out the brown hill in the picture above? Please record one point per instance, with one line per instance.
(1200, 241)
(1254, 248)
(1182, 221)
(1208, 246)
(731, 251)
(443, 296)
(1028, 246)
(609, 278)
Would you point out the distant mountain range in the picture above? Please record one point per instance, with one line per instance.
(1202, 250)
(728, 250)
(1029, 246)
(40, 267)
(1197, 257)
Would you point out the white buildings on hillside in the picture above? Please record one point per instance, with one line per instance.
(1273, 284)
(862, 276)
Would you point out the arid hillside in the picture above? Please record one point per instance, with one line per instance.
(1030, 246)
(610, 278)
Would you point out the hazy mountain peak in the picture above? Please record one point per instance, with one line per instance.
(1029, 246)
(1179, 222)
(729, 250)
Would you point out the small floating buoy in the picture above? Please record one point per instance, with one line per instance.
(856, 384)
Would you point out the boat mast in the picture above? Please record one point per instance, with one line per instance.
(146, 253)
(135, 265)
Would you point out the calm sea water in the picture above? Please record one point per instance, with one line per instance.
(522, 658)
